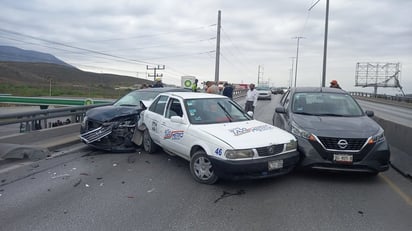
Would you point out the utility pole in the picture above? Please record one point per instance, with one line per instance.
(154, 71)
(217, 48)
(325, 41)
(50, 80)
(291, 72)
(297, 57)
(325, 44)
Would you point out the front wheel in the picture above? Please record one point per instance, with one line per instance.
(202, 169)
(148, 144)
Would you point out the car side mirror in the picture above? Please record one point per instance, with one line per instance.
(369, 113)
(280, 110)
(142, 106)
(177, 119)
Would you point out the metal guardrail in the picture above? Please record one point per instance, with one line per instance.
(35, 120)
(49, 101)
(405, 99)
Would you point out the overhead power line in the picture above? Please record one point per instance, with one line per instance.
(75, 47)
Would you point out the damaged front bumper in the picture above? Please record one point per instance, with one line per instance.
(96, 134)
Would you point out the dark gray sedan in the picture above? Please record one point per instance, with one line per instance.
(332, 130)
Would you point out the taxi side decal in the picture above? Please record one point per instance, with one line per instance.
(173, 135)
(240, 131)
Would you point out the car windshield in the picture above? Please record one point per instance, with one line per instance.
(325, 104)
(212, 110)
(134, 97)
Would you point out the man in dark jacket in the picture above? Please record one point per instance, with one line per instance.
(158, 83)
(228, 90)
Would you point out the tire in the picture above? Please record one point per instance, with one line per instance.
(148, 144)
(201, 168)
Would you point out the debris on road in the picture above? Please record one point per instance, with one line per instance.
(77, 183)
(151, 190)
(60, 176)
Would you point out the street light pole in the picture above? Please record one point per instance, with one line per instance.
(325, 44)
(297, 58)
(325, 41)
(291, 72)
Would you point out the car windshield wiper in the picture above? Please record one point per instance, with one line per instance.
(226, 112)
(127, 105)
(331, 114)
(305, 113)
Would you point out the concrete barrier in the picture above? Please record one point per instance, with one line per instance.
(399, 139)
(38, 144)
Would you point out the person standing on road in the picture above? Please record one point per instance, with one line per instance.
(228, 90)
(158, 83)
(251, 98)
(194, 86)
(334, 84)
(212, 87)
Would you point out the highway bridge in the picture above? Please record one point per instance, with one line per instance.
(78, 188)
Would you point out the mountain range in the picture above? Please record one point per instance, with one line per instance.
(14, 54)
(23, 69)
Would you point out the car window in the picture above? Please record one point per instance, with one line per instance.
(325, 104)
(211, 110)
(174, 108)
(159, 104)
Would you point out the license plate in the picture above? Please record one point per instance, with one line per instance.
(343, 158)
(275, 164)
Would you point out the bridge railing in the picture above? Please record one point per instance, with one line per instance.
(404, 99)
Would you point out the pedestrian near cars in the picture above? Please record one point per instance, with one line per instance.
(334, 84)
(194, 85)
(212, 87)
(158, 83)
(251, 98)
(228, 90)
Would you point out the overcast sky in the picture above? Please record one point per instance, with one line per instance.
(123, 37)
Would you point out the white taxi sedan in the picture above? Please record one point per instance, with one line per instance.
(217, 137)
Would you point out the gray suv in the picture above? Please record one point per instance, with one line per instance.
(333, 131)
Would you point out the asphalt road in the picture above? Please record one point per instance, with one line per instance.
(92, 190)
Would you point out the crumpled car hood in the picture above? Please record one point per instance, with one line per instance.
(248, 134)
(332, 126)
(108, 113)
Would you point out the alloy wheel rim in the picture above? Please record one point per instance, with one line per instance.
(203, 168)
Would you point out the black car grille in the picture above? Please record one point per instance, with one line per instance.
(91, 125)
(270, 150)
(354, 144)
